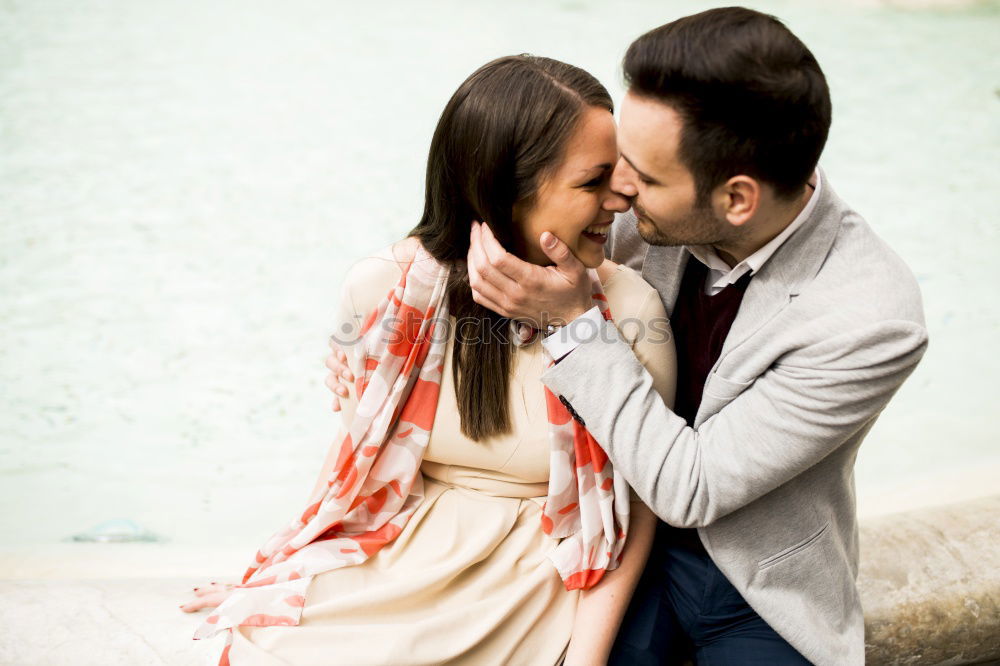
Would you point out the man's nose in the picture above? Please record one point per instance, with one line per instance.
(623, 179)
(616, 202)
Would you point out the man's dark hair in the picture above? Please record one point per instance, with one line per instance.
(752, 97)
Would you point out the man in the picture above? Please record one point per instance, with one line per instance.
(794, 325)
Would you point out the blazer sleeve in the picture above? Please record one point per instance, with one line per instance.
(802, 408)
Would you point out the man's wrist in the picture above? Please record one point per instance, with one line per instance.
(565, 339)
(567, 318)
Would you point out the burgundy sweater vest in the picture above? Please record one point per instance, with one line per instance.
(700, 324)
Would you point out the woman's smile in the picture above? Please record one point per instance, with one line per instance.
(597, 233)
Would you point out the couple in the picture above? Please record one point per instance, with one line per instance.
(536, 468)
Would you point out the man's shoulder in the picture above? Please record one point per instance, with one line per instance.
(840, 270)
(865, 276)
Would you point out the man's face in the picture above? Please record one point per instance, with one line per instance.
(662, 189)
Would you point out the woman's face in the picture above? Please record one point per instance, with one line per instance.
(575, 202)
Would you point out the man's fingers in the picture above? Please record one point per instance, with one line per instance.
(336, 404)
(495, 252)
(559, 253)
(482, 287)
(487, 292)
(478, 262)
(504, 263)
(492, 260)
(474, 261)
(488, 303)
(338, 368)
(336, 385)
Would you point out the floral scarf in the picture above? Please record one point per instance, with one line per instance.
(376, 485)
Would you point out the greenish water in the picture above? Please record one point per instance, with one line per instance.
(182, 186)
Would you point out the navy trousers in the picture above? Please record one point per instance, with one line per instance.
(684, 609)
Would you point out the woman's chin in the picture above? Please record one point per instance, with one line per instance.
(589, 253)
(590, 258)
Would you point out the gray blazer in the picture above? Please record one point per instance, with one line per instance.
(827, 331)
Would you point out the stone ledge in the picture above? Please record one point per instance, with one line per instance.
(930, 585)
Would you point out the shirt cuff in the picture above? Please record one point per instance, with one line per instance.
(567, 338)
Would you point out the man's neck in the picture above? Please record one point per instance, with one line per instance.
(769, 224)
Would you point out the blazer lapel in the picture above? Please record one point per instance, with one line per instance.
(787, 271)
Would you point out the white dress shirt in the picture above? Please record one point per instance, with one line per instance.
(720, 275)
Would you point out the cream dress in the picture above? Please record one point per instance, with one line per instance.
(468, 580)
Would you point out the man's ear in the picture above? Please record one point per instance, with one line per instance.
(738, 199)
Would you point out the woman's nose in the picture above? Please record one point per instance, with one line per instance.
(623, 179)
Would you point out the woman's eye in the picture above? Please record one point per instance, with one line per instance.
(596, 182)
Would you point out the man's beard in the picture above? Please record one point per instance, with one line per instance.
(698, 227)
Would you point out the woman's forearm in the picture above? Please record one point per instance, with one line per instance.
(602, 607)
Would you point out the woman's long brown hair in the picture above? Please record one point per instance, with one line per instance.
(502, 132)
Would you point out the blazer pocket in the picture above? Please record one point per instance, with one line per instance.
(725, 388)
(792, 550)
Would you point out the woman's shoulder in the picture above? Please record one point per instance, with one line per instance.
(629, 296)
(371, 277)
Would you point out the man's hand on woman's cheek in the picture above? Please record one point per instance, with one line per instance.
(538, 295)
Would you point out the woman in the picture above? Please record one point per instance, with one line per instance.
(467, 574)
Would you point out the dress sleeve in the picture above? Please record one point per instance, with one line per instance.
(366, 284)
(652, 342)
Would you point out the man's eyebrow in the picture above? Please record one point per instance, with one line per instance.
(637, 170)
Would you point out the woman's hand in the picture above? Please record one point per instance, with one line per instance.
(208, 596)
(340, 376)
